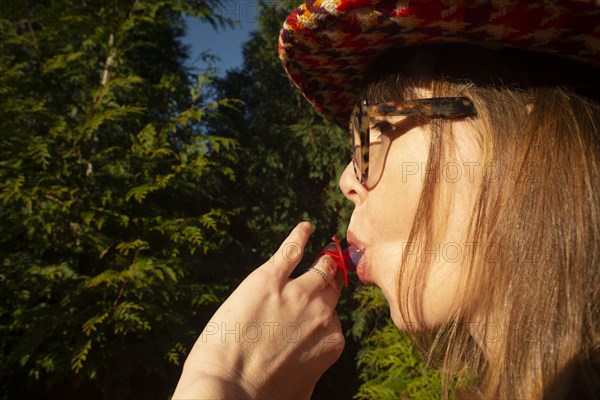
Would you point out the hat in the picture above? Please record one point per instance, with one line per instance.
(326, 46)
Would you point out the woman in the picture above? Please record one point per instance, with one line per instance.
(475, 179)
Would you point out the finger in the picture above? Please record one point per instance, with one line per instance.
(331, 294)
(338, 283)
(291, 250)
(319, 276)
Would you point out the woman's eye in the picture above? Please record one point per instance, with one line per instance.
(378, 129)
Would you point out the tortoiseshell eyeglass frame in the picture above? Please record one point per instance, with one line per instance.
(436, 107)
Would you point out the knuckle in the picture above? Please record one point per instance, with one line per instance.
(323, 318)
(297, 295)
(335, 344)
(265, 275)
(291, 252)
(338, 340)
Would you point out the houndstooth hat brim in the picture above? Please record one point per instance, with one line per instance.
(326, 45)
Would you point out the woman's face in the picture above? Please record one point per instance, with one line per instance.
(384, 213)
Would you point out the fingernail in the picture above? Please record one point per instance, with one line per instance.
(330, 265)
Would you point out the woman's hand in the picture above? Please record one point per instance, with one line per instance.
(273, 337)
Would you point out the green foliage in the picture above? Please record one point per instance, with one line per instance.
(110, 198)
(291, 156)
(390, 366)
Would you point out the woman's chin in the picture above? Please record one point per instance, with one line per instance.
(396, 315)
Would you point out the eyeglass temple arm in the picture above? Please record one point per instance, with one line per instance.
(434, 107)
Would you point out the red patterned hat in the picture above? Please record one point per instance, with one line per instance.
(327, 45)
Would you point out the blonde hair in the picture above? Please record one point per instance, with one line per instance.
(536, 291)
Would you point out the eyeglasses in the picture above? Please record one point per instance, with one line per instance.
(360, 128)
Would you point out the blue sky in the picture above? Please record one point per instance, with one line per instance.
(225, 43)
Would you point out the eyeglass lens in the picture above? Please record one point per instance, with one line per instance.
(356, 144)
(366, 146)
(369, 147)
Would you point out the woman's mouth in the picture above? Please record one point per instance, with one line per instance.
(359, 259)
(362, 271)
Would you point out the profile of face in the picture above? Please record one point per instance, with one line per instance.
(385, 209)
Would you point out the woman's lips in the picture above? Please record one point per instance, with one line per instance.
(362, 270)
(361, 266)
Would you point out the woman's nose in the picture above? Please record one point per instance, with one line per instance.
(351, 187)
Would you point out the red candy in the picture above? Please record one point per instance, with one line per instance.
(340, 257)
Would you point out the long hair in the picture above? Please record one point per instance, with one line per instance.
(531, 273)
